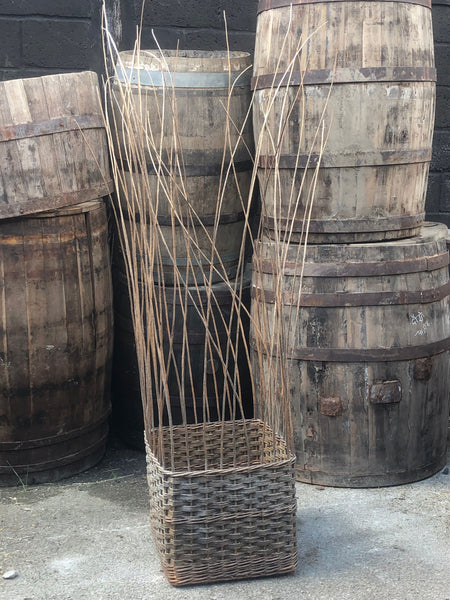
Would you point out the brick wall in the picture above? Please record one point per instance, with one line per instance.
(438, 197)
(196, 24)
(39, 37)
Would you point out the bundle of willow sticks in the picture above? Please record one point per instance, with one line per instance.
(217, 417)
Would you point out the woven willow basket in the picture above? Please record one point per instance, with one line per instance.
(233, 520)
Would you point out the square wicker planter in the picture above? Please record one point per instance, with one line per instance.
(233, 520)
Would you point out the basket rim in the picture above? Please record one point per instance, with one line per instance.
(199, 473)
(288, 461)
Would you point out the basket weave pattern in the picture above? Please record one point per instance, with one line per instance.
(232, 520)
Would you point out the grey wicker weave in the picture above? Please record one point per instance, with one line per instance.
(226, 508)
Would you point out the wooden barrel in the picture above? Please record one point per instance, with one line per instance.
(53, 150)
(368, 358)
(205, 116)
(56, 334)
(365, 70)
(126, 401)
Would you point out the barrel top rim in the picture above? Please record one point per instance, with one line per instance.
(171, 53)
(189, 61)
(50, 76)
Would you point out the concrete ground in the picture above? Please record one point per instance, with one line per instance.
(88, 537)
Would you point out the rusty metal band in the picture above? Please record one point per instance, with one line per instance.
(344, 75)
(342, 160)
(168, 221)
(270, 4)
(362, 354)
(55, 439)
(346, 225)
(358, 299)
(189, 170)
(354, 269)
(50, 127)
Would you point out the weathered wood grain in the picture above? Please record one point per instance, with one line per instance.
(53, 150)
(361, 76)
(55, 342)
(368, 380)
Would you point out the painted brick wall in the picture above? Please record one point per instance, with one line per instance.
(438, 197)
(39, 37)
(196, 24)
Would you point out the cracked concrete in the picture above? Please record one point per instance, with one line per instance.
(88, 538)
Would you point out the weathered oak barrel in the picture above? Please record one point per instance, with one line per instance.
(190, 348)
(56, 331)
(53, 150)
(368, 356)
(353, 87)
(194, 106)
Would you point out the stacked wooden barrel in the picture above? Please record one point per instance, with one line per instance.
(344, 112)
(198, 101)
(55, 281)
